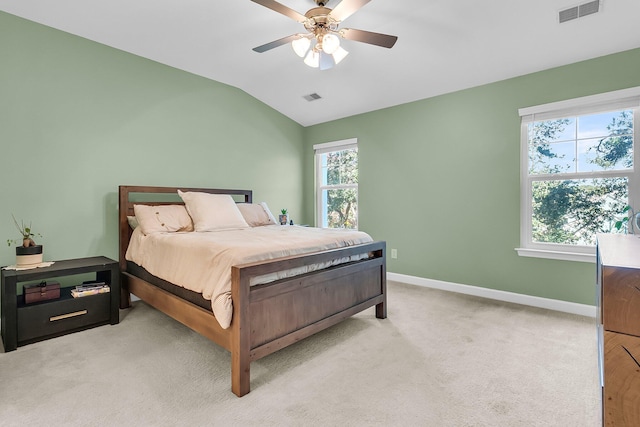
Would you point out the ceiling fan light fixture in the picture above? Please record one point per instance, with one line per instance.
(317, 58)
(339, 54)
(301, 46)
(330, 43)
(312, 59)
(326, 61)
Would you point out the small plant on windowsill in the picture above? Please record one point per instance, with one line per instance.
(29, 252)
(626, 223)
(283, 217)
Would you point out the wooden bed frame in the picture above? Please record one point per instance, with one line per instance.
(268, 317)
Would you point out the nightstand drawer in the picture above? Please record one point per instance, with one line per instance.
(50, 319)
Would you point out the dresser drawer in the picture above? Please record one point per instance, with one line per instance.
(49, 319)
(621, 300)
(621, 394)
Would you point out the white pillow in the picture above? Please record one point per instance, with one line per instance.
(212, 212)
(266, 209)
(255, 214)
(163, 218)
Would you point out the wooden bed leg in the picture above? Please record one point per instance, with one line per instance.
(240, 374)
(240, 334)
(381, 309)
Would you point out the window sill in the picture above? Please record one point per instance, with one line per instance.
(564, 256)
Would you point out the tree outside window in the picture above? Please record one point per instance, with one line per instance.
(578, 175)
(338, 188)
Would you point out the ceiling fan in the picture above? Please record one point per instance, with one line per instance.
(320, 45)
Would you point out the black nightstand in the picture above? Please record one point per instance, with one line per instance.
(23, 324)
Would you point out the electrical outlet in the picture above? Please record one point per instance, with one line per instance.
(394, 253)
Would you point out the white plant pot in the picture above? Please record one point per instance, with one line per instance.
(27, 256)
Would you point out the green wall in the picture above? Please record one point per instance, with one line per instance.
(440, 179)
(78, 118)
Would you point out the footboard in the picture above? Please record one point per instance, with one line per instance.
(272, 316)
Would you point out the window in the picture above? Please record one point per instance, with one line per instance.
(337, 184)
(580, 173)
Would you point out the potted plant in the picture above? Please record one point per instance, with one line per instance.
(283, 217)
(29, 253)
(628, 221)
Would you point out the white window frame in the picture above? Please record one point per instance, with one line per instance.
(324, 148)
(610, 101)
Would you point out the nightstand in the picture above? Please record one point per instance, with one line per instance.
(26, 323)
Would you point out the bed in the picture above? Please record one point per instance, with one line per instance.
(265, 317)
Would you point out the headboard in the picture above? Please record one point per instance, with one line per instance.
(156, 196)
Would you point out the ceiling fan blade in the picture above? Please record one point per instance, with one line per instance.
(276, 43)
(383, 40)
(280, 8)
(346, 8)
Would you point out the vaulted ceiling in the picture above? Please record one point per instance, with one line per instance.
(443, 45)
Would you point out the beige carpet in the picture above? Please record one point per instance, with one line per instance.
(440, 359)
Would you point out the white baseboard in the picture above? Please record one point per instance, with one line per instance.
(551, 304)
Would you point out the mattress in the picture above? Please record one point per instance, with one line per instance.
(201, 261)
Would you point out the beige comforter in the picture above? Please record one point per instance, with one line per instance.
(202, 262)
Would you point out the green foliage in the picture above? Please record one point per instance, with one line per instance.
(25, 232)
(618, 146)
(541, 133)
(283, 211)
(342, 211)
(625, 220)
(572, 211)
(342, 204)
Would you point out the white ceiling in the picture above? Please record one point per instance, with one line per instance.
(443, 45)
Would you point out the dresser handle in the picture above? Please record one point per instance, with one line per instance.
(68, 315)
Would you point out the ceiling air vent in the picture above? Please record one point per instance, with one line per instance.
(588, 8)
(312, 97)
(579, 11)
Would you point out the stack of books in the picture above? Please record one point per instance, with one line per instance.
(90, 288)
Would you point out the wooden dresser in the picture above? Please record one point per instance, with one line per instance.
(618, 320)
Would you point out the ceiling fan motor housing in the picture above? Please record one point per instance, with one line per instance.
(320, 15)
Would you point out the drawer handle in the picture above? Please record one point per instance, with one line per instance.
(68, 315)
